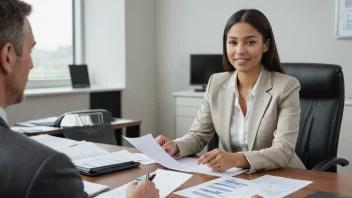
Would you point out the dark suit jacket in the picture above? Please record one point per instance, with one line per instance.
(30, 169)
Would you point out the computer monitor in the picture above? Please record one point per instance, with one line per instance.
(203, 66)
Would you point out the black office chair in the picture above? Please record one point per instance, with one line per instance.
(102, 133)
(322, 97)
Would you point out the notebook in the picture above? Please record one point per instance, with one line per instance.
(93, 189)
(105, 164)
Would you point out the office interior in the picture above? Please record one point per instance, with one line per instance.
(141, 50)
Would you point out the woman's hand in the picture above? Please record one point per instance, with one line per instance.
(220, 161)
(168, 145)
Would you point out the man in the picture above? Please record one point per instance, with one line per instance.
(27, 168)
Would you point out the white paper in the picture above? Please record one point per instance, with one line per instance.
(274, 186)
(221, 187)
(104, 160)
(143, 159)
(54, 142)
(30, 123)
(93, 189)
(165, 181)
(112, 158)
(119, 192)
(147, 145)
(191, 163)
(82, 150)
(44, 120)
(33, 129)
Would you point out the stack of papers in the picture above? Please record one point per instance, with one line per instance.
(33, 129)
(266, 186)
(147, 145)
(87, 155)
(82, 150)
(93, 189)
(110, 159)
(165, 188)
(54, 142)
(46, 121)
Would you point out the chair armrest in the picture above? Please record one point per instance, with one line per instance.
(330, 162)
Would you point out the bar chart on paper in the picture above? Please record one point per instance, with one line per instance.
(218, 188)
(222, 187)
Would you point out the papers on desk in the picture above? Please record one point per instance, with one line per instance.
(42, 122)
(221, 187)
(265, 186)
(165, 181)
(33, 129)
(110, 159)
(82, 150)
(54, 142)
(93, 189)
(147, 145)
(274, 186)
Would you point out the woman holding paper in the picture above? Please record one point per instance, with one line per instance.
(253, 107)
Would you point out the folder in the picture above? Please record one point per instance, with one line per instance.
(107, 168)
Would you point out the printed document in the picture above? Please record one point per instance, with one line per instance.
(82, 150)
(165, 181)
(147, 145)
(54, 142)
(93, 189)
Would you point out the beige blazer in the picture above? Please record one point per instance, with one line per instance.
(273, 122)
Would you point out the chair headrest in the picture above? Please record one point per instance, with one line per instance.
(317, 80)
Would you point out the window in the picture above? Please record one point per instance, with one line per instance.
(52, 24)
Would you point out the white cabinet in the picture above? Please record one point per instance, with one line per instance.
(187, 106)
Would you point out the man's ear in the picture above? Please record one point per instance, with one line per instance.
(266, 45)
(7, 57)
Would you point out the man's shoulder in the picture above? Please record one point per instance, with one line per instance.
(16, 142)
(34, 165)
(22, 152)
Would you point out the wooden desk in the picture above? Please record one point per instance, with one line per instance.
(328, 182)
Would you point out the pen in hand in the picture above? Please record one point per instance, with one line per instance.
(151, 177)
(147, 176)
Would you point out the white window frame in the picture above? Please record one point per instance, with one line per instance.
(78, 53)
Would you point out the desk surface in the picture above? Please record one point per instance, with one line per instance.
(328, 182)
(118, 124)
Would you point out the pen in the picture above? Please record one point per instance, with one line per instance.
(152, 177)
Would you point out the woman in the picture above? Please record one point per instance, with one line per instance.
(253, 107)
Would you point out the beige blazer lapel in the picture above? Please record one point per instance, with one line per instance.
(227, 98)
(260, 104)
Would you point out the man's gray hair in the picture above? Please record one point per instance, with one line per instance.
(12, 17)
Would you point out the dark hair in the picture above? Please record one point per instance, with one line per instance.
(258, 20)
(12, 17)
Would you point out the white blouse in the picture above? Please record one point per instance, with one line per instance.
(3, 114)
(239, 128)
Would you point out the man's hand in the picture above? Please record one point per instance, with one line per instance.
(145, 188)
(220, 161)
(168, 145)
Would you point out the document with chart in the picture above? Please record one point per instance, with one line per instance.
(265, 186)
(222, 187)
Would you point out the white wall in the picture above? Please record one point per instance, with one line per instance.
(139, 98)
(104, 42)
(304, 33)
(46, 106)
